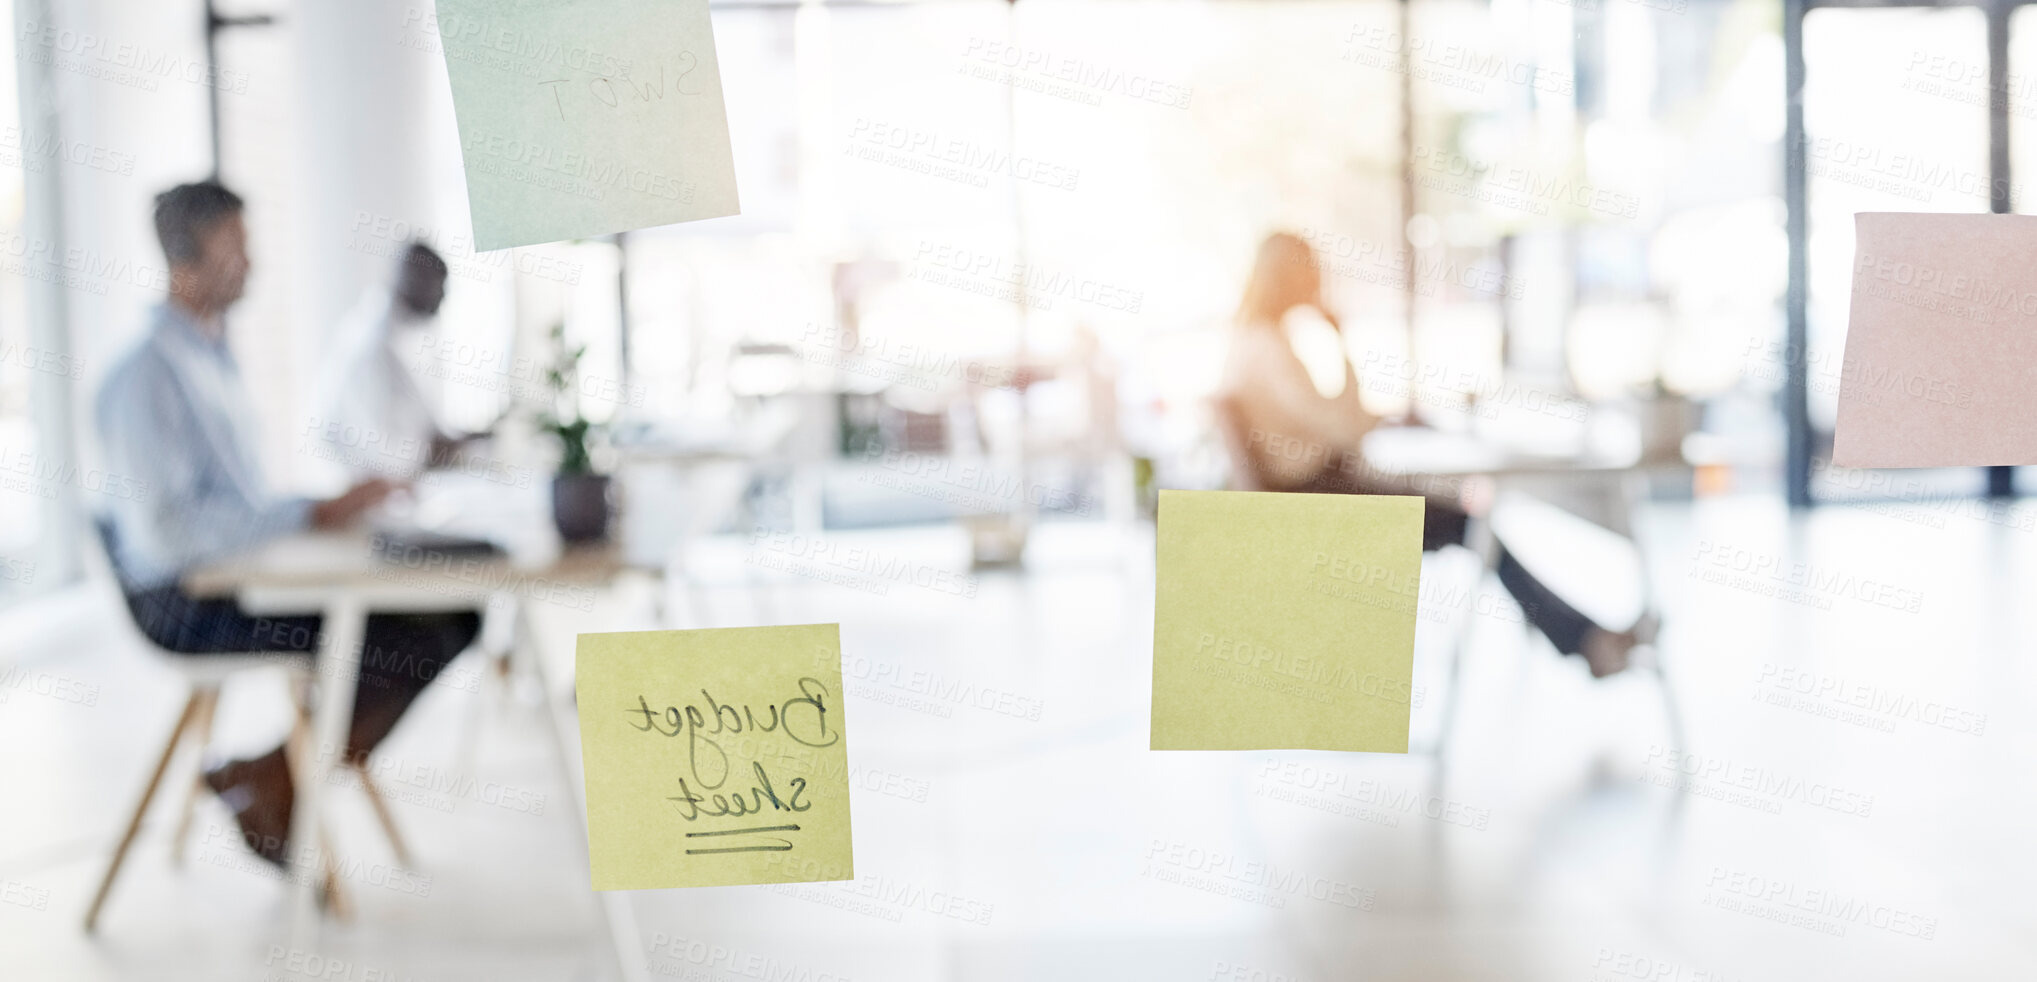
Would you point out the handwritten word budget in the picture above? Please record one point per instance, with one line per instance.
(1285, 621)
(713, 755)
(579, 118)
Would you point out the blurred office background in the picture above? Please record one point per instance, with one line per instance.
(1553, 224)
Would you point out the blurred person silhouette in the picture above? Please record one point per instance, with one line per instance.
(1296, 431)
(174, 414)
(378, 419)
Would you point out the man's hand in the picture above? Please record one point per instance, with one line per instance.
(341, 511)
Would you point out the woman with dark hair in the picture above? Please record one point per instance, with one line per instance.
(1297, 432)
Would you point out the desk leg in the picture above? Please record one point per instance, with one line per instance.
(1479, 538)
(612, 906)
(622, 932)
(339, 662)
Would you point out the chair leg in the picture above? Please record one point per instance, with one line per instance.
(201, 728)
(140, 811)
(335, 897)
(382, 814)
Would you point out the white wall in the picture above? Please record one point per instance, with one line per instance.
(150, 113)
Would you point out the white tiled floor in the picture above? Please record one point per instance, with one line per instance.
(992, 847)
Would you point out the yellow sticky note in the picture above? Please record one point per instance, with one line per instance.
(584, 117)
(1285, 621)
(714, 757)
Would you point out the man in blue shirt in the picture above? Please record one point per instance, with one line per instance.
(174, 414)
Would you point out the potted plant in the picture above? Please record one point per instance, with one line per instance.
(580, 494)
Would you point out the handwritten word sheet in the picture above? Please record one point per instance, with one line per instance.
(1285, 621)
(580, 118)
(714, 757)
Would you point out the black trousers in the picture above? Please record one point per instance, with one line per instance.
(1444, 524)
(400, 653)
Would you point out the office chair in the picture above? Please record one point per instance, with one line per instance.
(206, 674)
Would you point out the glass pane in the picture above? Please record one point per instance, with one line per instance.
(1881, 135)
(1597, 199)
(1960, 82)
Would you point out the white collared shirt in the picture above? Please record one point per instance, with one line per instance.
(378, 421)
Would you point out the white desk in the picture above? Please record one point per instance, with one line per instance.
(1435, 463)
(342, 576)
(1419, 450)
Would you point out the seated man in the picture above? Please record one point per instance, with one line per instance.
(173, 413)
(378, 419)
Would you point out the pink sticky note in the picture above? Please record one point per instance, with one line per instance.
(1941, 351)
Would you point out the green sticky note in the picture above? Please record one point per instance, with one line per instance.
(1285, 621)
(583, 117)
(714, 757)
